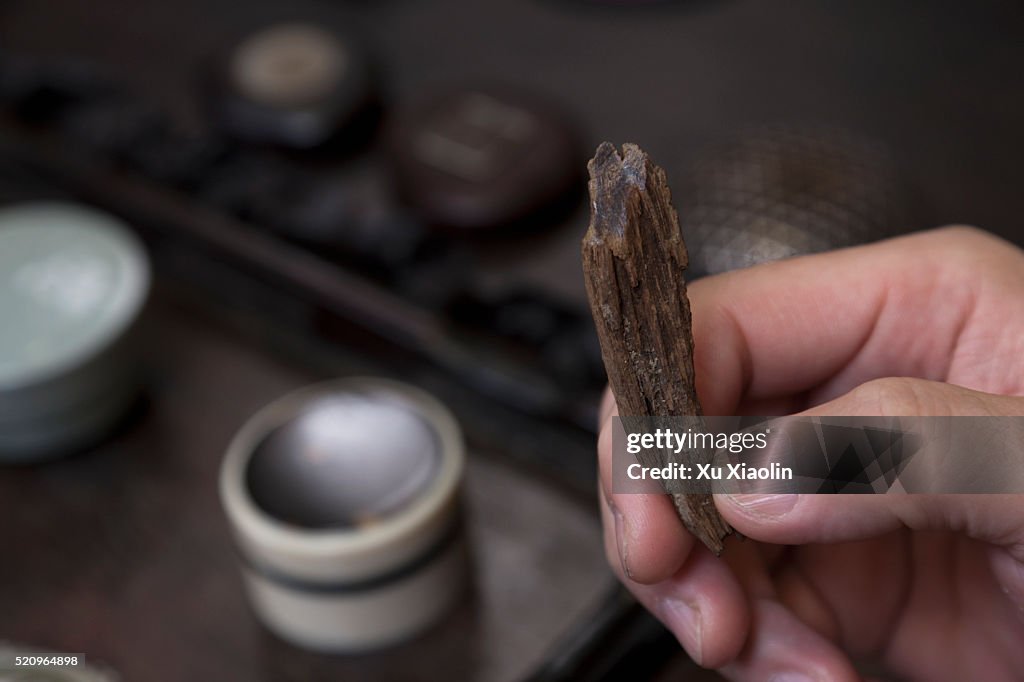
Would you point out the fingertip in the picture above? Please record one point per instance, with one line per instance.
(655, 542)
(640, 546)
(651, 539)
(701, 602)
(760, 516)
(706, 609)
(802, 518)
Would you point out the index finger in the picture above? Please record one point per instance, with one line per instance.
(808, 329)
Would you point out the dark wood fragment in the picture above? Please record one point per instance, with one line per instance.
(633, 262)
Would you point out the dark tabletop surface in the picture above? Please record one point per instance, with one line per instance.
(123, 552)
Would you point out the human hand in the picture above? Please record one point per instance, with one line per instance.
(930, 586)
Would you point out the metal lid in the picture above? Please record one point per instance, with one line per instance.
(72, 280)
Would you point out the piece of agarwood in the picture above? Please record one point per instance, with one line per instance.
(633, 262)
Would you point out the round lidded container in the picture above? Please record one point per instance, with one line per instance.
(343, 498)
(300, 85)
(73, 280)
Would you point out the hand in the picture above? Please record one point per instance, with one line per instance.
(931, 587)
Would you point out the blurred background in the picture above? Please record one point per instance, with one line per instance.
(398, 188)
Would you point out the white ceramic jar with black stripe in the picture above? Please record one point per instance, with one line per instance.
(344, 500)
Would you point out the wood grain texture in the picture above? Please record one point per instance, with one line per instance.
(633, 262)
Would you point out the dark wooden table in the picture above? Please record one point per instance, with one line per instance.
(123, 552)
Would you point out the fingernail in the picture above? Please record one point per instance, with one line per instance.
(684, 621)
(620, 538)
(769, 506)
(789, 677)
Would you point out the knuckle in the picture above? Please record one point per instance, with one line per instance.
(964, 234)
(892, 397)
(966, 246)
(973, 260)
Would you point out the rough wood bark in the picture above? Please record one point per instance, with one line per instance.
(633, 262)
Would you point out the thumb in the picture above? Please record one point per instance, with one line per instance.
(800, 519)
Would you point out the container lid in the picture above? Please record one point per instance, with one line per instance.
(72, 280)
